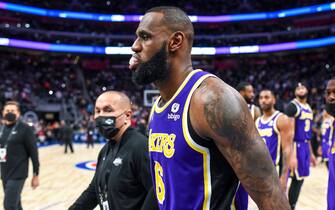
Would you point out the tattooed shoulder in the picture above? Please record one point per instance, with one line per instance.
(225, 111)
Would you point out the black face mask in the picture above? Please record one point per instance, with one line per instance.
(106, 126)
(330, 108)
(10, 117)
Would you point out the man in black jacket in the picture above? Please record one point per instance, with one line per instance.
(17, 144)
(122, 179)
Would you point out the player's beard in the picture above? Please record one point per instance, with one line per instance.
(248, 100)
(155, 69)
(266, 107)
(302, 97)
(330, 108)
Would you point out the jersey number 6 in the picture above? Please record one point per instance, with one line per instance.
(160, 188)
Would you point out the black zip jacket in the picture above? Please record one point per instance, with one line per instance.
(21, 145)
(126, 170)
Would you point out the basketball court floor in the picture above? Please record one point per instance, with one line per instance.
(61, 181)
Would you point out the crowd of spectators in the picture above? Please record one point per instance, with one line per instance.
(35, 78)
(31, 78)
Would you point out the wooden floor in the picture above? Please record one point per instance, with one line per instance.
(61, 182)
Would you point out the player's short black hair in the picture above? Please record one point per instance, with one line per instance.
(266, 89)
(242, 85)
(176, 20)
(300, 84)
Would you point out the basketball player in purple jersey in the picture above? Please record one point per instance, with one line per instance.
(276, 130)
(202, 138)
(327, 130)
(301, 113)
(246, 90)
(330, 108)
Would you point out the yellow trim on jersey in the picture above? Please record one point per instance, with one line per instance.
(275, 128)
(295, 102)
(153, 108)
(257, 121)
(233, 206)
(269, 119)
(331, 143)
(161, 109)
(305, 106)
(198, 148)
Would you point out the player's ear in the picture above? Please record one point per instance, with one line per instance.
(176, 41)
(128, 114)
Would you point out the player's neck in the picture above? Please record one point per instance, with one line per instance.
(269, 113)
(168, 87)
(302, 101)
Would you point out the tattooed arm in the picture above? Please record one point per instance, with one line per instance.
(285, 127)
(219, 113)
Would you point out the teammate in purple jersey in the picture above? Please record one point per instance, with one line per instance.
(277, 131)
(327, 130)
(301, 113)
(199, 113)
(330, 108)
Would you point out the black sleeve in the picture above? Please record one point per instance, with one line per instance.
(31, 147)
(87, 200)
(291, 110)
(142, 164)
(150, 202)
(143, 169)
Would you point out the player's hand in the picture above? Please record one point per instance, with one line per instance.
(293, 164)
(313, 160)
(35, 182)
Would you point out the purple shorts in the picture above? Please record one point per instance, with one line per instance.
(303, 158)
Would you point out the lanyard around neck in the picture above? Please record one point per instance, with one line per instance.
(12, 131)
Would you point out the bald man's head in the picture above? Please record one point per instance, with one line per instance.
(111, 103)
(115, 97)
(112, 114)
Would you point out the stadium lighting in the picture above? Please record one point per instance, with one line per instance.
(110, 50)
(194, 18)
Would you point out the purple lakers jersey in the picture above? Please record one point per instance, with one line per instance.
(327, 131)
(187, 175)
(331, 180)
(269, 132)
(303, 122)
